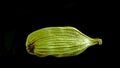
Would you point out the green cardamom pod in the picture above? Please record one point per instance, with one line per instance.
(59, 42)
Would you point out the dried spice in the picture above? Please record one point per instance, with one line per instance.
(59, 42)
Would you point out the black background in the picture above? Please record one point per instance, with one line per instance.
(94, 19)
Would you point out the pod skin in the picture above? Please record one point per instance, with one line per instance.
(59, 42)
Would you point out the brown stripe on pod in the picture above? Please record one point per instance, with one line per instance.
(31, 47)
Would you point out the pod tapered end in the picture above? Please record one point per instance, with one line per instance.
(98, 40)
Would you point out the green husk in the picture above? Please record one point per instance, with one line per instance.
(59, 42)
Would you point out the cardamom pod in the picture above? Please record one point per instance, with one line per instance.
(59, 42)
